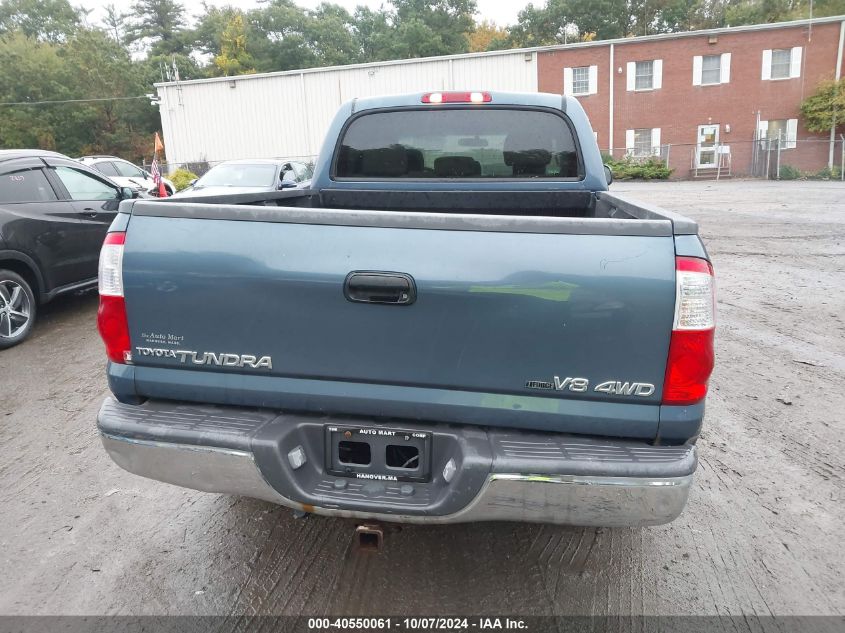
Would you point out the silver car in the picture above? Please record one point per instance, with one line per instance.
(249, 176)
(125, 174)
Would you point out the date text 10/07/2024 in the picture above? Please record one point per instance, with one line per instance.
(424, 623)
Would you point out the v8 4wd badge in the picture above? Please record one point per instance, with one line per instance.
(582, 385)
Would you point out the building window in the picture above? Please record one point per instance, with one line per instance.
(581, 80)
(781, 63)
(642, 142)
(783, 130)
(644, 76)
(647, 75)
(711, 69)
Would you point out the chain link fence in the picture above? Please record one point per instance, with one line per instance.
(774, 159)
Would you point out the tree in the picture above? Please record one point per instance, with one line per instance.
(740, 12)
(88, 65)
(330, 34)
(425, 28)
(39, 62)
(824, 8)
(373, 32)
(96, 65)
(487, 34)
(44, 20)
(826, 107)
(160, 24)
(209, 28)
(759, 11)
(234, 58)
(563, 21)
(283, 24)
(689, 15)
(606, 19)
(115, 21)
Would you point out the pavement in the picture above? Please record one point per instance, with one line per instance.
(762, 534)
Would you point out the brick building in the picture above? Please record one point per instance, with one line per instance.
(723, 97)
(704, 97)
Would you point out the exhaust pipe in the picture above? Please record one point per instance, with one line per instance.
(369, 537)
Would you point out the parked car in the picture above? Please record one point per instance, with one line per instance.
(126, 174)
(456, 322)
(54, 214)
(252, 175)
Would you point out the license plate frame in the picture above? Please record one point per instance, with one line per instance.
(378, 439)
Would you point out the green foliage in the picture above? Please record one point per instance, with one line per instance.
(88, 64)
(827, 173)
(182, 178)
(43, 20)
(115, 23)
(825, 107)
(161, 25)
(788, 172)
(628, 168)
(738, 12)
(283, 36)
(432, 27)
(234, 59)
(562, 21)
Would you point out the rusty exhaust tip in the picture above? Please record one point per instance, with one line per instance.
(369, 537)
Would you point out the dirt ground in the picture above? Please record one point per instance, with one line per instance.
(763, 532)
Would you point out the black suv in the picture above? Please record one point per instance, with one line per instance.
(54, 214)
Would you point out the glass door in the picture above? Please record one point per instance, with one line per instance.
(708, 141)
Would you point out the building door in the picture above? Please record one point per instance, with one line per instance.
(706, 149)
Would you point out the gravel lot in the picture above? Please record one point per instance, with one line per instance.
(763, 532)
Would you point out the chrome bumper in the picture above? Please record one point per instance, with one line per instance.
(559, 499)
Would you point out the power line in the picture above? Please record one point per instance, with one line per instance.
(30, 103)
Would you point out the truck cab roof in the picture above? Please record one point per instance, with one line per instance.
(414, 99)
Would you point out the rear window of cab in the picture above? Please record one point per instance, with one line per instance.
(466, 143)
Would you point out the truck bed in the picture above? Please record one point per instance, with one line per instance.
(516, 204)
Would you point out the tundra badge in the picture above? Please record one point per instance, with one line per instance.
(209, 358)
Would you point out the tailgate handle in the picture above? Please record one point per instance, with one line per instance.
(380, 287)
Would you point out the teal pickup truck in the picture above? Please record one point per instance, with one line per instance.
(456, 322)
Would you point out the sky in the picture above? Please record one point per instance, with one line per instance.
(503, 12)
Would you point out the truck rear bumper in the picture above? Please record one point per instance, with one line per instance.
(501, 475)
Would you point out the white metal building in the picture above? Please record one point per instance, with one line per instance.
(286, 114)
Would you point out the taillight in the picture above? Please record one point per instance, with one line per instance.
(691, 347)
(111, 316)
(457, 97)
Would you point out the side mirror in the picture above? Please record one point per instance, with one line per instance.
(608, 175)
(287, 184)
(127, 193)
